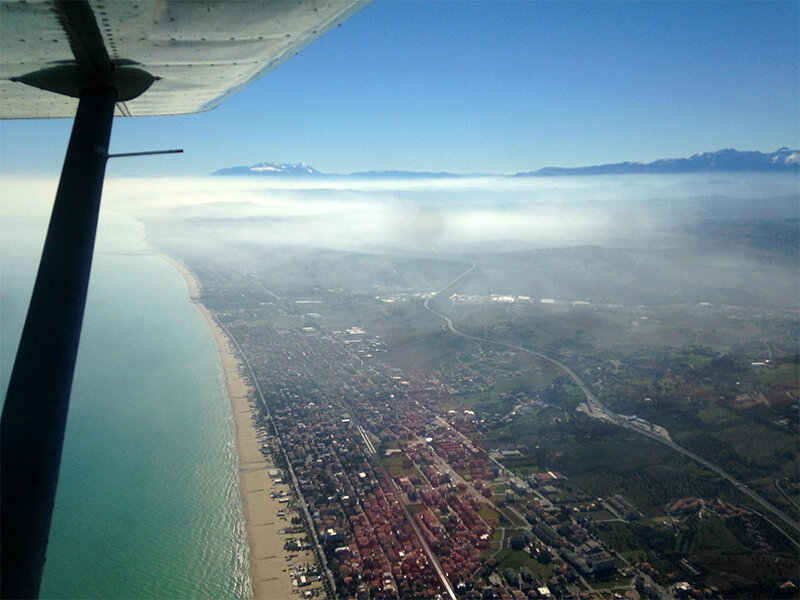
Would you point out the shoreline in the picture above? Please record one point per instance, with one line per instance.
(269, 562)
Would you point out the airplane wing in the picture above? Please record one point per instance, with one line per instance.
(198, 51)
(95, 59)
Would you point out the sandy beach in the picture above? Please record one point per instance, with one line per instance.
(270, 564)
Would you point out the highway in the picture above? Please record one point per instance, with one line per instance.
(597, 410)
(784, 494)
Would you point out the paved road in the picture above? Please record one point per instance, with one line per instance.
(742, 487)
(784, 494)
(398, 494)
(367, 442)
(598, 410)
(300, 499)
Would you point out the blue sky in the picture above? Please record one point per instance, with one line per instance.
(486, 87)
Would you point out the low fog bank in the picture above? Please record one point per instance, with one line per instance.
(640, 276)
(722, 238)
(628, 240)
(456, 215)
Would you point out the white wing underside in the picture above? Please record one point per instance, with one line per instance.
(200, 51)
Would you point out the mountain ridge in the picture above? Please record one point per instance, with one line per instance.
(783, 160)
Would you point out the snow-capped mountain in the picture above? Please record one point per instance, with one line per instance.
(270, 168)
(787, 157)
(783, 160)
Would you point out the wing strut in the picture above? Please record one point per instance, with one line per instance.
(35, 412)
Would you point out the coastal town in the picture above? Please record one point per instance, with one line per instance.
(389, 454)
(388, 489)
(401, 497)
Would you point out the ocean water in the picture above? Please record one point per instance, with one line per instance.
(147, 503)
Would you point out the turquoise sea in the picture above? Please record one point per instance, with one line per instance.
(148, 503)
